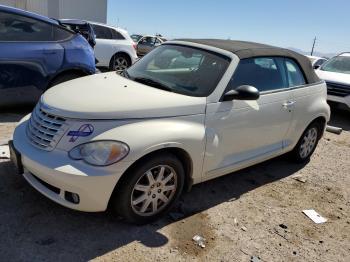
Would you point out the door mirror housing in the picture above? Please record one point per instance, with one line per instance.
(243, 92)
(316, 67)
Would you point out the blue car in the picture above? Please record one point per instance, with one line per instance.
(36, 53)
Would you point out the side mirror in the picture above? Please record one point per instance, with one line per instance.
(244, 92)
(316, 67)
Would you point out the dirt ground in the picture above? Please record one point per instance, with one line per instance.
(254, 212)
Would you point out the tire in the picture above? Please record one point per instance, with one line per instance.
(64, 78)
(119, 62)
(307, 143)
(135, 199)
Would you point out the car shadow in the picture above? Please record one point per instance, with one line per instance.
(31, 226)
(340, 117)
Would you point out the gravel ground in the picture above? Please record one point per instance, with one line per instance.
(254, 212)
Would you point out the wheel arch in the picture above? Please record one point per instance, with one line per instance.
(119, 53)
(77, 71)
(180, 153)
(320, 120)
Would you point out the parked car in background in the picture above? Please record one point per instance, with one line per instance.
(36, 53)
(82, 27)
(316, 61)
(188, 112)
(147, 43)
(136, 37)
(114, 48)
(336, 73)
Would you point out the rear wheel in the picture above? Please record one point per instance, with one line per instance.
(149, 190)
(119, 63)
(307, 143)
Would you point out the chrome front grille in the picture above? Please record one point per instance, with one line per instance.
(44, 130)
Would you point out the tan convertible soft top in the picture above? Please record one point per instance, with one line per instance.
(245, 49)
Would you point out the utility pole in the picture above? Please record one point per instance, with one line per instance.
(313, 46)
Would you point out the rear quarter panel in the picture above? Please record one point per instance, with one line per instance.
(78, 55)
(311, 103)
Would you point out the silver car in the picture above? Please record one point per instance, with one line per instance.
(147, 43)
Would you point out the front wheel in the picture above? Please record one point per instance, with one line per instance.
(149, 190)
(307, 143)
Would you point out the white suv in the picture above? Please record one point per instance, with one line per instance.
(189, 111)
(336, 73)
(114, 48)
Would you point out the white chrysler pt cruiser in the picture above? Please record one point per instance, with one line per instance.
(189, 111)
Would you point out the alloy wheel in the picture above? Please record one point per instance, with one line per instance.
(120, 64)
(309, 142)
(154, 190)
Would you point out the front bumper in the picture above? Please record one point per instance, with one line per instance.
(340, 99)
(94, 185)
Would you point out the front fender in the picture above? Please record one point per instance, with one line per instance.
(144, 137)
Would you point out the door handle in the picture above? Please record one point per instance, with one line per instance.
(288, 104)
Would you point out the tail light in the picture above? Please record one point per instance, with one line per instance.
(134, 46)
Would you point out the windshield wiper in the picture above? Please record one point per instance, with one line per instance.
(153, 83)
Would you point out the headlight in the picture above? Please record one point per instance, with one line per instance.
(100, 153)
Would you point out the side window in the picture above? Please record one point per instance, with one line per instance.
(116, 35)
(264, 73)
(21, 28)
(61, 34)
(267, 63)
(102, 32)
(294, 73)
(148, 40)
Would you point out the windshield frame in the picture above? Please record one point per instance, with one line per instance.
(226, 59)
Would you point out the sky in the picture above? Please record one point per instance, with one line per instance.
(284, 23)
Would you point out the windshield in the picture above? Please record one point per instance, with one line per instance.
(180, 69)
(338, 64)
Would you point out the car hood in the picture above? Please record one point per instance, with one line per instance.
(111, 96)
(334, 77)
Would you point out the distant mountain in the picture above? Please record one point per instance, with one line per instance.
(329, 55)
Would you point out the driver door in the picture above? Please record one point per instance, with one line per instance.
(241, 133)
